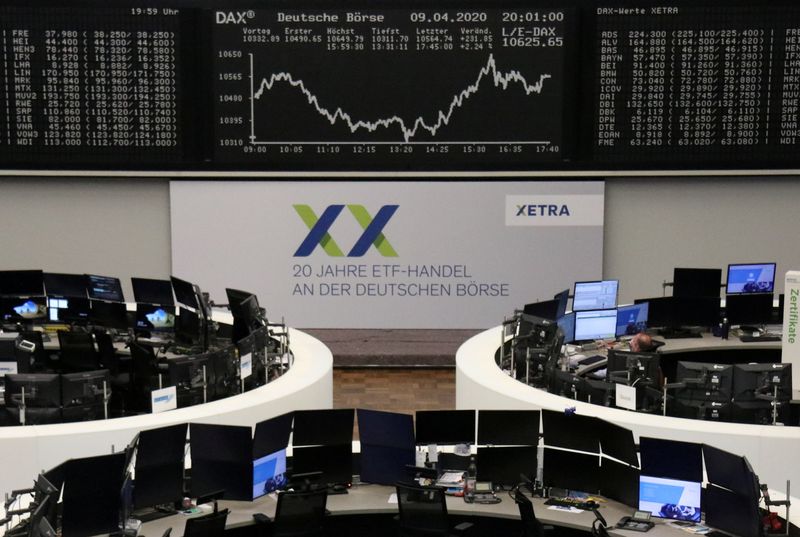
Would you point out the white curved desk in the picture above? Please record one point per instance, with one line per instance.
(480, 384)
(308, 384)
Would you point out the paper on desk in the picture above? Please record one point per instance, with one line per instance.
(565, 508)
(393, 497)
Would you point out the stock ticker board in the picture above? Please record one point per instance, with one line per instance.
(89, 83)
(391, 86)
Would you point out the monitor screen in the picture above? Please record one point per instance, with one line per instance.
(729, 471)
(335, 462)
(596, 295)
(66, 285)
(104, 288)
(597, 324)
(749, 308)
(671, 459)
(695, 311)
(632, 319)
(562, 298)
(445, 426)
(21, 283)
(314, 427)
(508, 427)
(188, 327)
(571, 431)
(704, 382)
(751, 278)
(659, 310)
(72, 309)
(152, 291)
(269, 473)
(389, 429)
(155, 318)
(109, 314)
(567, 326)
(731, 512)
(670, 498)
(547, 309)
(23, 309)
(571, 470)
(185, 292)
(272, 435)
(503, 465)
(42, 390)
(696, 282)
(753, 380)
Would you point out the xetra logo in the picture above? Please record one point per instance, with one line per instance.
(542, 209)
(234, 17)
(372, 236)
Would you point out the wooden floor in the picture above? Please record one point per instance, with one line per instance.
(395, 390)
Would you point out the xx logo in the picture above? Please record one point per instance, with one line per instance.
(372, 236)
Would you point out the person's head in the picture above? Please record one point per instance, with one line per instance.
(641, 342)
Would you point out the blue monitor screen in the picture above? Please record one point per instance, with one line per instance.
(567, 325)
(600, 324)
(269, 473)
(595, 295)
(670, 498)
(632, 319)
(752, 278)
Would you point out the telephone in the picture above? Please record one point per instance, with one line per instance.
(639, 521)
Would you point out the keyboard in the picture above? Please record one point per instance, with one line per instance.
(751, 339)
(578, 504)
(592, 360)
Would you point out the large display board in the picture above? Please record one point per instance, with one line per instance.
(540, 85)
(390, 87)
(388, 255)
(90, 84)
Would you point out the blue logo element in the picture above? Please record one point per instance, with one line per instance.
(319, 230)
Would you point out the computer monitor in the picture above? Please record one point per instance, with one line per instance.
(508, 427)
(671, 459)
(595, 324)
(570, 431)
(727, 470)
(155, 318)
(696, 282)
(222, 459)
(269, 473)
(109, 314)
(619, 482)
(670, 498)
(596, 295)
(65, 285)
(186, 373)
(91, 506)
(68, 310)
(633, 367)
(749, 308)
(547, 309)
(224, 380)
(758, 382)
(750, 278)
(272, 435)
(247, 315)
(188, 327)
(445, 427)
(159, 467)
(21, 283)
(391, 429)
(563, 298)
(83, 395)
(617, 442)
(334, 461)
(503, 465)
(695, 311)
(185, 292)
(104, 288)
(28, 309)
(42, 397)
(733, 513)
(567, 326)
(152, 291)
(704, 382)
(660, 311)
(385, 465)
(571, 470)
(330, 426)
(632, 319)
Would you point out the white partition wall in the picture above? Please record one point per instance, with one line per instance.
(25, 451)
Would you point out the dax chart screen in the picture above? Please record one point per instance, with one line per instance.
(390, 88)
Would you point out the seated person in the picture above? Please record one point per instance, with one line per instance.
(642, 342)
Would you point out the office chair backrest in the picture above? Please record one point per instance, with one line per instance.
(77, 351)
(531, 527)
(144, 364)
(211, 525)
(423, 510)
(108, 354)
(37, 360)
(300, 514)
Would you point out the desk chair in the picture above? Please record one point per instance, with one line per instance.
(531, 527)
(144, 377)
(77, 352)
(300, 514)
(423, 512)
(37, 361)
(211, 525)
(120, 379)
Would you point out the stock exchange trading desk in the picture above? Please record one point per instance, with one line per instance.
(480, 383)
(368, 510)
